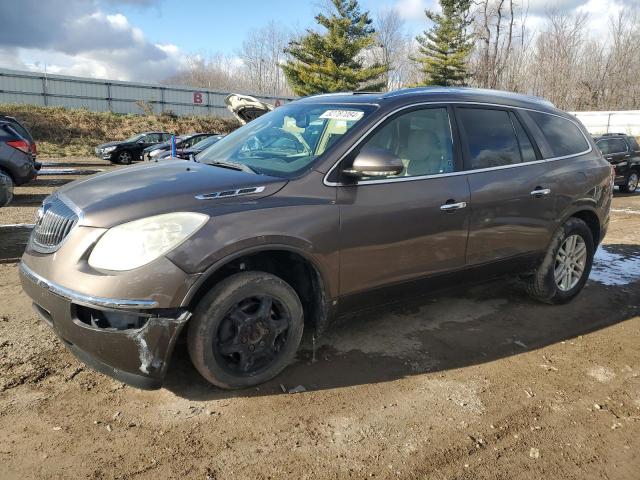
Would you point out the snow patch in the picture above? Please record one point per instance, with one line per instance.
(602, 374)
(611, 268)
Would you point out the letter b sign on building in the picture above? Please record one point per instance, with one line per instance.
(197, 98)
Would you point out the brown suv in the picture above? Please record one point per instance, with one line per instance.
(322, 206)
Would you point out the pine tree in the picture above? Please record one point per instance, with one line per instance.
(332, 61)
(445, 48)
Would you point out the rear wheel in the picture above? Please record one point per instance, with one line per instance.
(125, 157)
(631, 182)
(566, 266)
(246, 330)
(6, 189)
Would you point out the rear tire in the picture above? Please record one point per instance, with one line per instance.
(630, 182)
(566, 265)
(6, 189)
(246, 330)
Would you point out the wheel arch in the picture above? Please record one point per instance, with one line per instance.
(8, 172)
(591, 218)
(293, 265)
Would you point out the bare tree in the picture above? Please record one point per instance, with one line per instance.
(263, 54)
(495, 31)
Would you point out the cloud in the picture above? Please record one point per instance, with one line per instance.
(541, 7)
(412, 9)
(76, 37)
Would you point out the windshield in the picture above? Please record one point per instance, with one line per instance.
(135, 138)
(286, 141)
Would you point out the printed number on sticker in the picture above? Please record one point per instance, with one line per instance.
(348, 115)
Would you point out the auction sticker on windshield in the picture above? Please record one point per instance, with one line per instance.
(348, 115)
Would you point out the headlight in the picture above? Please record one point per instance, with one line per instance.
(155, 153)
(108, 149)
(134, 244)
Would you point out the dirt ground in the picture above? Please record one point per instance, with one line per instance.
(478, 383)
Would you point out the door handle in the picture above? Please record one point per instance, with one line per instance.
(538, 192)
(449, 207)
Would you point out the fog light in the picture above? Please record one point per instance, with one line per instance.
(109, 320)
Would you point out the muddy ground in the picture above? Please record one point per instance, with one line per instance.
(475, 383)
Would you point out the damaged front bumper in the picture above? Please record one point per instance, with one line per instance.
(129, 340)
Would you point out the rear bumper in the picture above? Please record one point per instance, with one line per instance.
(136, 356)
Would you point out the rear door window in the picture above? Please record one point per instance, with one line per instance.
(563, 136)
(527, 151)
(488, 137)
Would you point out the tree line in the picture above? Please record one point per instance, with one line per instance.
(479, 43)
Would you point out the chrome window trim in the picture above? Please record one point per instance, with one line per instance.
(326, 182)
(82, 299)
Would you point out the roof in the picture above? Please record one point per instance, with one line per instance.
(436, 94)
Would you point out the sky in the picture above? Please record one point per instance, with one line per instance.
(148, 40)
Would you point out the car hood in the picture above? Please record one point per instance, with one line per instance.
(246, 108)
(143, 190)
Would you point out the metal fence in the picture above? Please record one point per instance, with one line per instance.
(611, 122)
(113, 96)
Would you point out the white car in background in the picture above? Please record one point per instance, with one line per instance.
(246, 108)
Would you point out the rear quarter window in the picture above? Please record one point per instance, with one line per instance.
(563, 136)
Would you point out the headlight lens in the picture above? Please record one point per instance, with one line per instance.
(108, 149)
(134, 244)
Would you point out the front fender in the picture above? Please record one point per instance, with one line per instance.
(264, 244)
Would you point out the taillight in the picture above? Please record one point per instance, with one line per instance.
(21, 145)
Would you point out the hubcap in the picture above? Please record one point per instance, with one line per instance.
(632, 184)
(570, 262)
(252, 335)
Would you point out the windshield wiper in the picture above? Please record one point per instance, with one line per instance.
(241, 167)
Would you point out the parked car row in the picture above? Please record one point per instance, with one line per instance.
(163, 150)
(18, 152)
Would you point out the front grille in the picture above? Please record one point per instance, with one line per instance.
(56, 219)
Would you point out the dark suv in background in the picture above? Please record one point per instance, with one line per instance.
(623, 152)
(322, 206)
(130, 150)
(17, 157)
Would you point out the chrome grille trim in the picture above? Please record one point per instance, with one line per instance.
(230, 193)
(55, 221)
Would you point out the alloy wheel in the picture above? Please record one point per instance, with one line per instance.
(570, 262)
(632, 182)
(125, 158)
(252, 335)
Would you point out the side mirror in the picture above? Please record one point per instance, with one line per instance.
(375, 162)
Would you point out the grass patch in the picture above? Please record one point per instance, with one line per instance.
(63, 132)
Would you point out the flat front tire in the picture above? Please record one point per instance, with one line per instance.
(566, 265)
(246, 330)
